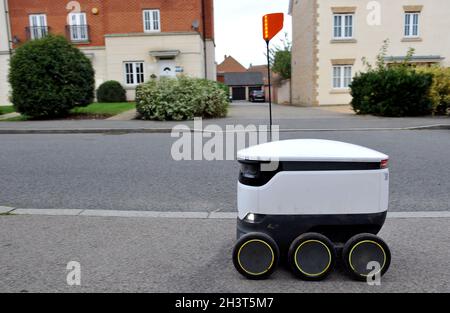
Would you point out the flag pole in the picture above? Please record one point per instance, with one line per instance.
(270, 89)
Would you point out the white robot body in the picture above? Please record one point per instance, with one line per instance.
(311, 184)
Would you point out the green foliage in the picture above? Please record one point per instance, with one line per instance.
(396, 91)
(111, 92)
(280, 59)
(181, 99)
(225, 88)
(49, 77)
(6, 109)
(440, 89)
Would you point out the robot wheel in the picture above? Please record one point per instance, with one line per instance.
(256, 256)
(364, 255)
(312, 257)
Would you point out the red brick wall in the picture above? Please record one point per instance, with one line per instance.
(114, 17)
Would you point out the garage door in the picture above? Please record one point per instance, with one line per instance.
(239, 93)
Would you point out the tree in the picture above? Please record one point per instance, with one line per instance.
(280, 58)
(49, 77)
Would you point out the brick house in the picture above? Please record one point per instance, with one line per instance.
(275, 80)
(229, 65)
(128, 41)
(237, 77)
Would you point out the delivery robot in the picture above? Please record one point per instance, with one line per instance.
(308, 202)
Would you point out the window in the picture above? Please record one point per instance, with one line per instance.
(38, 26)
(78, 28)
(134, 73)
(342, 76)
(412, 24)
(343, 26)
(152, 21)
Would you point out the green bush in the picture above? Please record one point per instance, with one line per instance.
(440, 89)
(181, 99)
(49, 77)
(110, 92)
(395, 91)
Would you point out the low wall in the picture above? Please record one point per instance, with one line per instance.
(284, 92)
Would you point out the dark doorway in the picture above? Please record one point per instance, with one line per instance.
(239, 93)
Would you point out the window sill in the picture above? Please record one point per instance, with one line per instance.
(411, 39)
(80, 42)
(340, 91)
(131, 87)
(343, 40)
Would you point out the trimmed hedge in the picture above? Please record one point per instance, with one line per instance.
(111, 92)
(440, 89)
(181, 99)
(49, 77)
(394, 91)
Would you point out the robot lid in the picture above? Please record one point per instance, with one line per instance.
(311, 150)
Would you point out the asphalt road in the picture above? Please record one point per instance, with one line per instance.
(137, 172)
(165, 255)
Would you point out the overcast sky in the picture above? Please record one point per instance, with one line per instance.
(238, 27)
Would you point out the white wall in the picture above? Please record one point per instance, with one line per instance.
(284, 92)
(4, 86)
(211, 60)
(434, 28)
(137, 48)
(3, 29)
(4, 57)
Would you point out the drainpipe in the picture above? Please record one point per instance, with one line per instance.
(8, 26)
(204, 38)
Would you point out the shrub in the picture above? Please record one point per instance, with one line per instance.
(111, 91)
(396, 91)
(440, 89)
(181, 99)
(49, 77)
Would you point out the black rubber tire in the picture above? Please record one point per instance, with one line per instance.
(268, 264)
(383, 255)
(328, 251)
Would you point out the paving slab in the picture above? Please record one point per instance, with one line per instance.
(188, 255)
(62, 212)
(5, 209)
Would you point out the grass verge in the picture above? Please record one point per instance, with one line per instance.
(92, 111)
(7, 109)
(105, 109)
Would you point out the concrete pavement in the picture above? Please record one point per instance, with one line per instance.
(125, 116)
(190, 255)
(287, 117)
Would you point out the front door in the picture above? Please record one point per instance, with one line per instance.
(167, 68)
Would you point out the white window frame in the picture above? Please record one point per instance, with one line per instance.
(41, 19)
(135, 76)
(78, 34)
(411, 26)
(343, 80)
(152, 21)
(347, 31)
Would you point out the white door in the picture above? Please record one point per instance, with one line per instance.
(78, 27)
(38, 26)
(167, 68)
